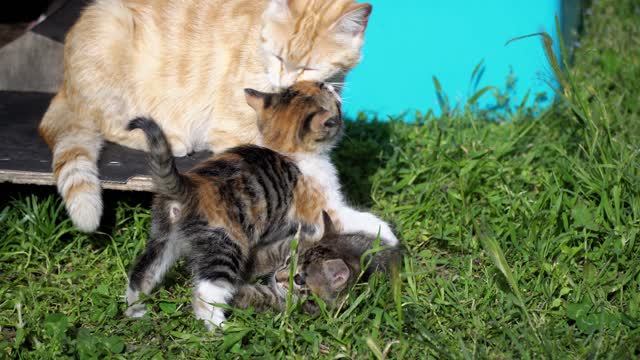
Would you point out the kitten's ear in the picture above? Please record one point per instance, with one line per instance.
(354, 22)
(257, 100)
(337, 272)
(329, 227)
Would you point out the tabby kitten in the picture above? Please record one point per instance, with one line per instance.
(228, 205)
(216, 213)
(185, 64)
(327, 268)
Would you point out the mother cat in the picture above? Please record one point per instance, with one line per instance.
(186, 63)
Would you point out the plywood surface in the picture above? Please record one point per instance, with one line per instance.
(26, 159)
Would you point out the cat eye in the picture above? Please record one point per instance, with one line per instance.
(278, 57)
(332, 122)
(298, 280)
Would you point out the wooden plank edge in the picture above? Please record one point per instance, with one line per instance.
(135, 183)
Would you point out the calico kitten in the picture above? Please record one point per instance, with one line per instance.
(185, 64)
(327, 268)
(216, 213)
(278, 132)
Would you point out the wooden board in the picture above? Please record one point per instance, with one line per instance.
(61, 18)
(26, 159)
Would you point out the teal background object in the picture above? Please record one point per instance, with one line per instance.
(409, 41)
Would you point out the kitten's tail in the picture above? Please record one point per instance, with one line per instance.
(167, 180)
(75, 142)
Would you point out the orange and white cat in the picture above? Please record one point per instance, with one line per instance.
(185, 63)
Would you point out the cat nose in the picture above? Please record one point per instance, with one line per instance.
(282, 276)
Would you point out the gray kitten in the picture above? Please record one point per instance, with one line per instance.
(326, 268)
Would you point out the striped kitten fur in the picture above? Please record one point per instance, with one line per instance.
(326, 268)
(228, 205)
(185, 63)
(216, 213)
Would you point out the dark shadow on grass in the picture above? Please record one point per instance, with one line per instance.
(362, 151)
(10, 192)
(111, 198)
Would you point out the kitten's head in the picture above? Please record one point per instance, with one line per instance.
(312, 40)
(321, 271)
(304, 118)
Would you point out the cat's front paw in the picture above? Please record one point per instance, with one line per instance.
(213, 318)
(206, 295)
(387, 237)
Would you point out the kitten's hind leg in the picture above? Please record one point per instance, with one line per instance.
(149, 269)
(218, 264)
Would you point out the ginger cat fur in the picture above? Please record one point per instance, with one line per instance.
(185, 63)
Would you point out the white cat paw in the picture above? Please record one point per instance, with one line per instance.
(213, 317)
(206, 295)
(136, 311)
(216, 321)
(387, 236)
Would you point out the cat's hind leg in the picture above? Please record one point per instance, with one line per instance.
(160, 254)
(218, 263)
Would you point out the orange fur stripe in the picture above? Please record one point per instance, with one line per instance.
(83, 187)
(69, 155)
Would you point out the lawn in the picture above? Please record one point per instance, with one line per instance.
(520, 227)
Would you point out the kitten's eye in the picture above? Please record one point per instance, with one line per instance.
(332, 122)
(298, 280)
(309, 69)
(278, 57)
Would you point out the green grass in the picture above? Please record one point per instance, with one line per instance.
(521, 236)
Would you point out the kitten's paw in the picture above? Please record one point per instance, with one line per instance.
(357, 221)
(390, 239)
(136, 311)
(387, 237)
(216, 321)
(213, 318)
(206, 295)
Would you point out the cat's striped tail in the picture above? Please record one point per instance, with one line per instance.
(167, 180)
(75, 144)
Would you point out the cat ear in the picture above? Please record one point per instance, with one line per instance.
(354, 22)
(257, 100)
(329, 227)
(337, 272)
(175, 210)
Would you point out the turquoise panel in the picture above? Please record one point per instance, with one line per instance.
(409, 41)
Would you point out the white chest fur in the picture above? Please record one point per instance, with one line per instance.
(320, 168)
